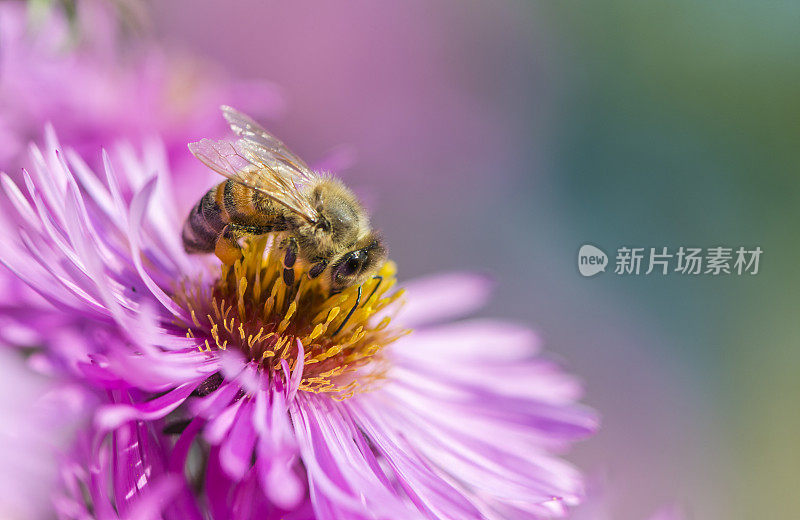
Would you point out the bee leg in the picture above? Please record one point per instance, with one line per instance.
(227, 248)
(288, 262)
(380, 280)
(317, 269)
(358, 300)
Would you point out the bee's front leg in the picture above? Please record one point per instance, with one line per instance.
(289, 258)
(317, 269)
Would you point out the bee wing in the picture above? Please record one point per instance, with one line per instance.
(243, 165)
(266, 147)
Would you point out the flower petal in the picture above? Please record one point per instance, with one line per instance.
(137, 212)
(444, 296)
(236, 450)
(344, 477)
(112, 415)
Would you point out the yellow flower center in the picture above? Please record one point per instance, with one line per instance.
(251, 308)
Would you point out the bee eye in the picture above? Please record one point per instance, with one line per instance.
(350, 265)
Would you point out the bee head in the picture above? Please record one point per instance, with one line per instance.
(354, 266)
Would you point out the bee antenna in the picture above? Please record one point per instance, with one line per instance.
(358, 300)
(380, 280)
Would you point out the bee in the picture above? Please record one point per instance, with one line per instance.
(269, 189)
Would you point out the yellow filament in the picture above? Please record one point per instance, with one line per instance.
(266, 318)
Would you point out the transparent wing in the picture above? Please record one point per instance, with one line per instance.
(239, 163)
(264, 146)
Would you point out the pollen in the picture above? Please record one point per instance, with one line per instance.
(251, 308)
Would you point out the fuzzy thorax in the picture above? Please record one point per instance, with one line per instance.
(250, 308)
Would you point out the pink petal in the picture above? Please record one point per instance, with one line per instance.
(236, 450)
(441, 297)
(114, 415)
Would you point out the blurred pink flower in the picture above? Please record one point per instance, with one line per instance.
(96, 89)
(455, 421)
(38, 418)
(101, 87)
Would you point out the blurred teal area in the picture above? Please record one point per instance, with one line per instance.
(503, 136)
(680, 125)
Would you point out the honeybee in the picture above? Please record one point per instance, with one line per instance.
(269, 189)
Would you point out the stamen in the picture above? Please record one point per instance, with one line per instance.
(342, 350)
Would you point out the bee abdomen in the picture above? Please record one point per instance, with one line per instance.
(239, 205)
(250, 211)
(233, 207)
(204, 224)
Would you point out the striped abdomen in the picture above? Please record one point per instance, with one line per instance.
(232, 209)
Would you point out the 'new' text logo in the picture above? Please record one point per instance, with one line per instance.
(591, 260)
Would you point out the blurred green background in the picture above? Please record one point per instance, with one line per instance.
(680, 126)
(503, 136)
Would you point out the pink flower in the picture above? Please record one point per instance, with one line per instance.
(276, 402)
(98, 87)
(39, 418)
